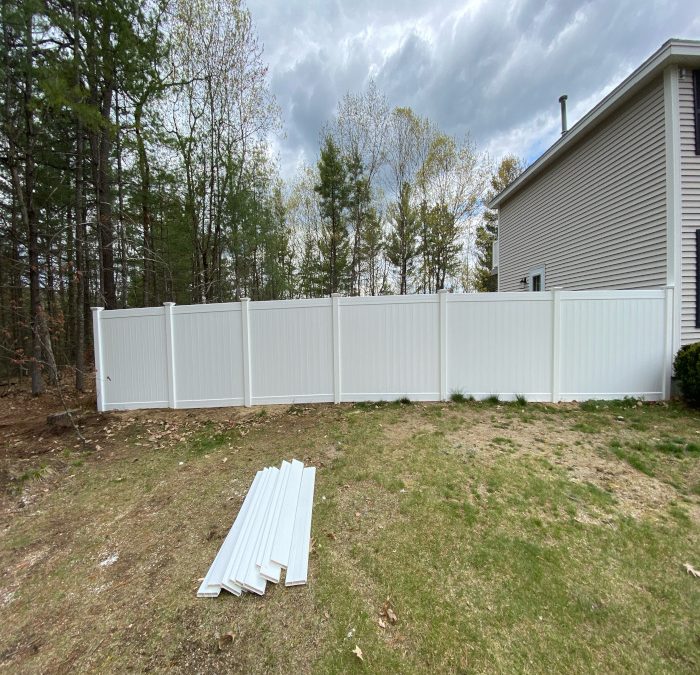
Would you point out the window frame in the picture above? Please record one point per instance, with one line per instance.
(534, 272)
(696, 109)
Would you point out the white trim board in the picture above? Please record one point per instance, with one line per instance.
(673, 196)
(297, 571)
(271, 531)
(248, 576)
(285, 527)
(211, 585)
(229, 582)
(268, 569)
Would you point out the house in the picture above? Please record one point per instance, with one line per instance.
(615, 202)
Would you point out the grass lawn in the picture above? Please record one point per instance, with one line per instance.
(505, 537)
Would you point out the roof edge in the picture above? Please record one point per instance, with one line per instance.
(672, 51)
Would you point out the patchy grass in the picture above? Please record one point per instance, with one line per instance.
(555, 546)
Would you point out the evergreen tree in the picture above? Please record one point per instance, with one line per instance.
(486, 233)
(334, 191)
(402, 245)
(373, 266)
(359, 200)
(440, 246)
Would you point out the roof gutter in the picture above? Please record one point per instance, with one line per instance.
(671, 52)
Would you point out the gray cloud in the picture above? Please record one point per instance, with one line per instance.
(491, 69)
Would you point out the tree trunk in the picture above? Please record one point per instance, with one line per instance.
(80, 275)
(146, 220)
(29, 216)
(121, 234)
(102, 150)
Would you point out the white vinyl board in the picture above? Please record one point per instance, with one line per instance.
(248, 575)
(283, 534)
(298, 568)
(268, 569)
(211, 585)
(229, 582)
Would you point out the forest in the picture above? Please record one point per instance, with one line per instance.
(137, 167)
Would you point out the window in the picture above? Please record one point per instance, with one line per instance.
(696, 109)
(535, 279)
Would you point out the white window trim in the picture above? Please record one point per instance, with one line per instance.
(533, 273)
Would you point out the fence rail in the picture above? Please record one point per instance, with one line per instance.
(551, 346)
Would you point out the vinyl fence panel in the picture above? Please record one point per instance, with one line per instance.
(511, 335)
(389, 348)
(207, 344)
(291, 351)
(611, 344)
(134, 358)
(550, 346)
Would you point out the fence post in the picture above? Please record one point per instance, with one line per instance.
(556, 344)
(245, 327)
(667, 369)
(442, 301)
(170, 352)
(335, 308)
(97, 343)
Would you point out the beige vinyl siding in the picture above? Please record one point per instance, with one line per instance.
(690, 209)
(595, 218)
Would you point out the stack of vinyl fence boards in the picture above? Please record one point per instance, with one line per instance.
(272, 532)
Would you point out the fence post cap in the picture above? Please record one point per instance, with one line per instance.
(443, 290)
(168, 304)
(245, 300)
(335, 295)
(97, 309)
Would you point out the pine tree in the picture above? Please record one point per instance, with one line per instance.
(402, 246)
(373, 264)
(359, 198)
(508, 170)
(333, 189)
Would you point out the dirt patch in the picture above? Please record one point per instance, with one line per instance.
(580, 454)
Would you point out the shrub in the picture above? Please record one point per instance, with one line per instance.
(686, 366)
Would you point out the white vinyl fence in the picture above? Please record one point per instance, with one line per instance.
(550, 346)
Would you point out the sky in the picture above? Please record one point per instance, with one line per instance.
(491, 68)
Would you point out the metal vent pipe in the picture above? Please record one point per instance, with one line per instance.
(562, 101)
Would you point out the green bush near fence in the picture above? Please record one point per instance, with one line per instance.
(687, 370)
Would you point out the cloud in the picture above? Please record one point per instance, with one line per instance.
(491, 69)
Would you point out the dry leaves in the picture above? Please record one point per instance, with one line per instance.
(358, 652)
(224, 640)
(691, 570)
(388, 612)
